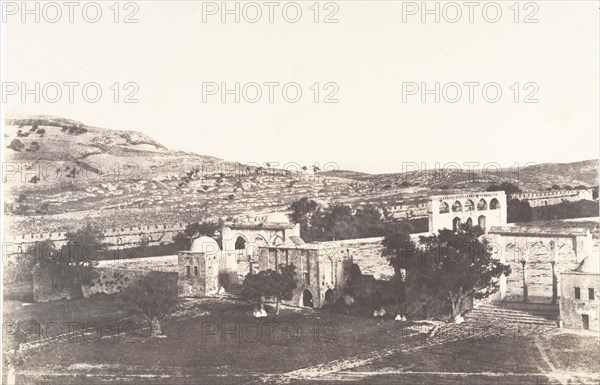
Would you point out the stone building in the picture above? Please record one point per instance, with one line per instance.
(244, 238)
(322, 269)
(206, 268)
(579, 303)
(485, 209)
(201, 269)
(545, 198)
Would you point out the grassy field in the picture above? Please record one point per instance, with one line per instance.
(217, 341)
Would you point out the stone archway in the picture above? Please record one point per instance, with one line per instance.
(444, 208)
(307, 299)
(482, 205)
(456, 224)
(329, 296)
(456, 207)
(240, 243)
(481, 221)
(494, 204)
(469, 205)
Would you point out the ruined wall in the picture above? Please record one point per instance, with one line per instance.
(538, 251)
(322, 272)
(49, 284)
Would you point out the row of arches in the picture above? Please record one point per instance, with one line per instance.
(469, 205)
(456, 222)
(241, 243)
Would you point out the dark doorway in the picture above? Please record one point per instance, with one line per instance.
(307, 299)
(585, 322)
(240, 243)
(481, 221)
(329, 296)
(456, 224)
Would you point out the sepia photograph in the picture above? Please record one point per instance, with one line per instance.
(312, 192)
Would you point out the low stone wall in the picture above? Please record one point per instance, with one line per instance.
(113, 280)
(49, 285)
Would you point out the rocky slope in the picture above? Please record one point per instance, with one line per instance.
(61, 172)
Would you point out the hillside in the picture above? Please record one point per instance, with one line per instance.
(62, 172)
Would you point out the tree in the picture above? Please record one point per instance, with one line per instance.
(397, 246)
(74, 264)
(16, 145)
(256, 287)
(284, 283)
(458, 264)
(518, 211)
(195, 230)
(302, 210)
(154, 295)
(267, 284)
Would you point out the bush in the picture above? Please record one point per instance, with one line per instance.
(16, 145)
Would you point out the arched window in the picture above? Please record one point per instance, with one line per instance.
(482, 205)
(469, 223)
(456, 223)
(456, 206)
(481, 221)
(494, 204)
(444, 208)
(260, 241)
(469, 205)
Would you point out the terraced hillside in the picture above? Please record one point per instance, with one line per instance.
(61, 172)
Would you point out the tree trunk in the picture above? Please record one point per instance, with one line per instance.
(455, 301)
(525, 288)
(554, 284)
(155, 327)
(277, 305)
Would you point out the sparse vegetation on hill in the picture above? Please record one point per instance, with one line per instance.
(70, 172)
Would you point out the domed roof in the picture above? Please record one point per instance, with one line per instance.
(205, 245)
(589, 265)
(277, 218)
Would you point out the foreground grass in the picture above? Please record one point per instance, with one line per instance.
(219, 342)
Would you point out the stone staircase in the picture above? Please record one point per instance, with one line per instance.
(515, 313)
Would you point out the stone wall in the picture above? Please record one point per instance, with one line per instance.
(319, 271)
(544, 198)
(540, 248)
(153, 234)
(50, 285)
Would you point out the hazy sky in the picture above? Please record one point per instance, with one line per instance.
(369, 54)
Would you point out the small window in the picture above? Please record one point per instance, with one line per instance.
(196, 271)
(188, 271)
(591, 293)
(577, 293)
